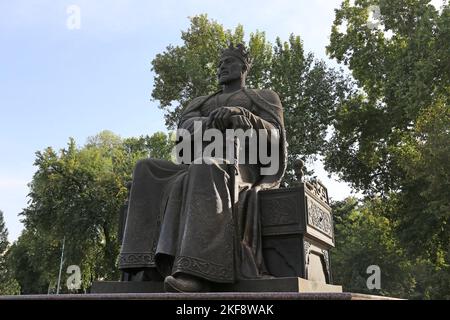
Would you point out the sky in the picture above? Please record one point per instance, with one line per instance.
(58, 82)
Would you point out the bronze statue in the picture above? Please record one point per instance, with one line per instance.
(197, 224)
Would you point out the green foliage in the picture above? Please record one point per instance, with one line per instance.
(8, 285)
(364, 237)
(309, 91)
(399, 76)
(77, 194)
(3, 235)
(33, 259)
(423, 206)
(391, 137)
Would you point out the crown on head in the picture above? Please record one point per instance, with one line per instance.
(239, 52)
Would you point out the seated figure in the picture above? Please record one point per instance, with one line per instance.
(194, 224)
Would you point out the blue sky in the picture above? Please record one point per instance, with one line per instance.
(57, 83)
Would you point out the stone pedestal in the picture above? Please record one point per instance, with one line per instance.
(230, 296)
(266, 285)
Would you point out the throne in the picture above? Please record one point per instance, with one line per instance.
(297, 239)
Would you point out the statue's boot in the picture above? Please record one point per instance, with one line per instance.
(185, 283)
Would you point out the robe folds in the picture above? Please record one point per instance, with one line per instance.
(181, 217)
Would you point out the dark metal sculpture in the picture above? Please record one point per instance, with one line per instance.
(226, 226)
(195, 225)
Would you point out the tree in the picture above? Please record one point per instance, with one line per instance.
(33, 260)
(309, 91)
(398, 77)
(8, 285)
(3, 235)
(423, 205)
(77, 194)
(364, 237)
(391, 136)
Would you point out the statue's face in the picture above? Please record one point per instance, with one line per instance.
(230, 69)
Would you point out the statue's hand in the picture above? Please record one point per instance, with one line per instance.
(221, 118)
(241, 122)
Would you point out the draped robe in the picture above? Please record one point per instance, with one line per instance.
(180, 217)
